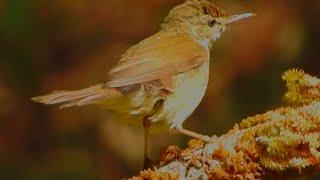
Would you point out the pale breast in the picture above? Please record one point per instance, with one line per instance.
(190, 89)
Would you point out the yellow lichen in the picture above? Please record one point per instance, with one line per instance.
(170, 153)
(302, 88)
(155, 175)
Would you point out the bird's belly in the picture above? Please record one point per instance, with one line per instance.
(190, 89)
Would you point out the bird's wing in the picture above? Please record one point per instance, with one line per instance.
(159, 56)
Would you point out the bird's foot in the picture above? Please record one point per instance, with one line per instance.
(195, 135)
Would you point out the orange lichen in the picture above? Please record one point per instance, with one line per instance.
(195, 143)
(220, 153)
(302, 88)
(170, 153)
(155, 175)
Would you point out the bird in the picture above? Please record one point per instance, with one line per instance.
(161, 80)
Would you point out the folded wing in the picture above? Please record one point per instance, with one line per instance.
(159, 56)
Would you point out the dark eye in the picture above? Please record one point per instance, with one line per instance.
(212, 22)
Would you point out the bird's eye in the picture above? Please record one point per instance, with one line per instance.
(212, 22)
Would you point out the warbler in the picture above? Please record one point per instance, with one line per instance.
(162, 79)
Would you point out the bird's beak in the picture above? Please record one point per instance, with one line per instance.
(236, 18)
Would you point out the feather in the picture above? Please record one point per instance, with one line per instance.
(159, 56)
(91, 95)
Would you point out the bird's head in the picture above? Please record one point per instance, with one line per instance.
(201, 19)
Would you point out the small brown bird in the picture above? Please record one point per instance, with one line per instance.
(161, 80)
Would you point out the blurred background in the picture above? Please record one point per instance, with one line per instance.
(64, 44)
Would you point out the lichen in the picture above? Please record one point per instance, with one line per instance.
(302, 88)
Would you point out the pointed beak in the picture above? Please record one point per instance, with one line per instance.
(235, 18)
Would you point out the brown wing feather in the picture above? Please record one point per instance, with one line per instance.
(168, 83)
(158, 56)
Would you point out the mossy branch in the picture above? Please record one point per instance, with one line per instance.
(283, 140)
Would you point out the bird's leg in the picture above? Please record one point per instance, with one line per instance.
(146, 124)
(194, 135)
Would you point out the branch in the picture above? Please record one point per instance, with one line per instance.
(281, 140)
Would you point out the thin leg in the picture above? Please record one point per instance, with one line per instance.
(194, 134)
(146, 160)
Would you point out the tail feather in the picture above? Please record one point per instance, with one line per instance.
(91, 95)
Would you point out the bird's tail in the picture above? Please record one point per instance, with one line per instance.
(92, 95)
